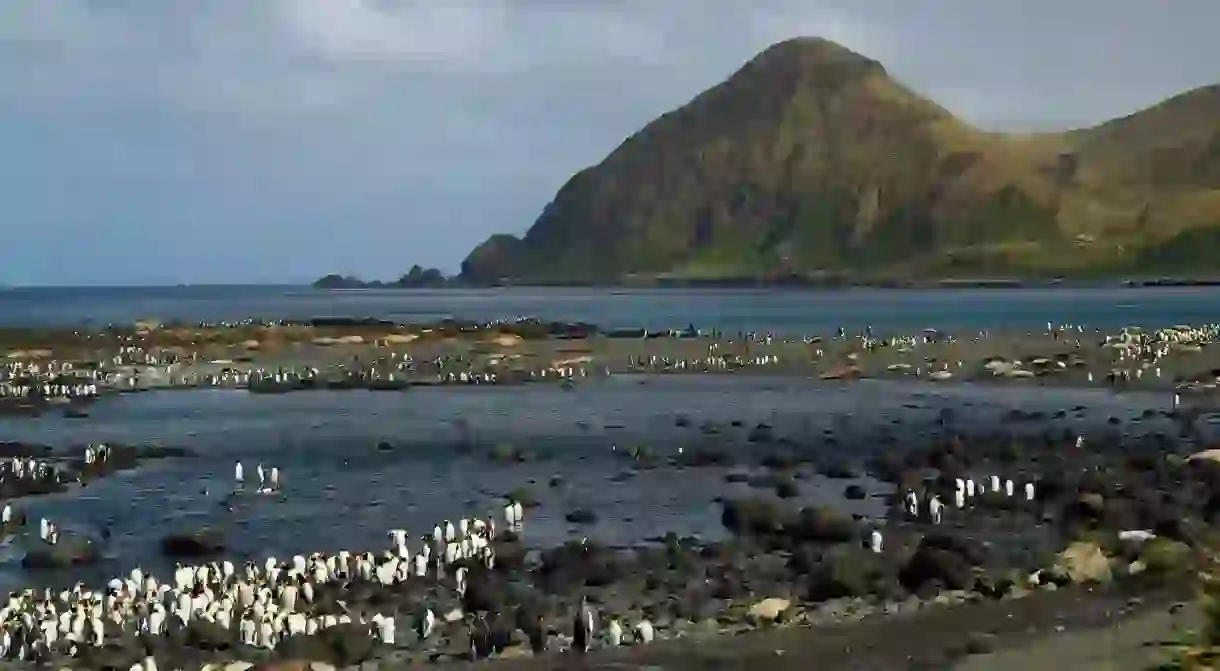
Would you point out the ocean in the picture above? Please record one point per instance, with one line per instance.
(781, 310)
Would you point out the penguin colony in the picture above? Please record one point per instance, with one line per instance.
(267, 603)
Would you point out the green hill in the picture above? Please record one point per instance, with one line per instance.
(812, 160)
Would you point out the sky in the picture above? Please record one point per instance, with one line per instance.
(274, 141)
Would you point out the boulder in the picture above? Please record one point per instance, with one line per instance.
(973, 551)
(822, 525)
(66, 553)
(932, 564)
(854, 493)
(943, 558)
(787, 489)
(350, 644)
(525, 496)
(768, 610)
(847, 571)
(1084, 562)
(507, 454)
(507, 340)
(838, 471)
(581, 516)
(203, 543)
(1164, 556)
(752, 516)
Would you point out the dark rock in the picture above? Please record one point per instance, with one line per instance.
(208, 636)
(507, 454)
(847, 571)
(581, 516)
(787, 489)
(822, 525)
(854, 493)
(204, 543)
(66, 553)
(525, 496)
(705, 456)
(973, 551)
(576, 563)
(980, 643)
(752, 516)
(760, 434)
(947, 559)
(349, 644)
(838, 471)
(483, 593)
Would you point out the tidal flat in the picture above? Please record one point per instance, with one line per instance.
(729, 502)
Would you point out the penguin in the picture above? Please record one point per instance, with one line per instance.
(537, 634)
(583, 627)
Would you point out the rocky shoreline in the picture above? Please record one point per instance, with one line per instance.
(1113, 513)
(374, 355)
(784, 566)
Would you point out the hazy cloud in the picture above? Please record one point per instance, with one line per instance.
(185, 141)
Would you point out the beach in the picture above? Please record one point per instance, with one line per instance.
(684, 478)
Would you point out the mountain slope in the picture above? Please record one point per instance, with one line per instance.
(810, 158)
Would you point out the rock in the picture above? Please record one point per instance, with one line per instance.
(769, 610)
(239, 666)
(752, 516)
(1084, 562)
(787, 489)
(575, 563)
(349, 643)
(1164, 556)
(581, 516)
(973, 551)
(203, 543)
(66, 553)
(321, 666)
(838, 471)
(705, 456)
(854, 493)
(980, 643)
(822, 525)
(929, 565)
(846, 572)
(524, 496)
(945, 559)
(507, 454)
(207, 635)
(516, 652)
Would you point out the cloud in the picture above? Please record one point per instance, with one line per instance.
(366, 135)
(459, 33)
